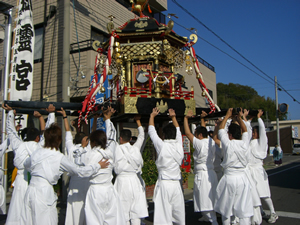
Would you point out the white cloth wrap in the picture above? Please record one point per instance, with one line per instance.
(234, 195)
(132, 195)
(261, 180)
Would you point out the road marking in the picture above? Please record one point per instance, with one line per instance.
(286, 214)
(283, 170)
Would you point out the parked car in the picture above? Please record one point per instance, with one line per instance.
(296, 149)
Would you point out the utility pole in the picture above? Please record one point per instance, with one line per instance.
(277, 113)
(267, 119)
(7, 51)
(65, 79)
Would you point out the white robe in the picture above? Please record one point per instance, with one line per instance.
(22, 150)
(234, 191)
(128, 164)
(205, 182)
(103, 205)
(217, 162)
(258, 152)
(3, 148)
(46, 167)
(168, 196)
(78, 186)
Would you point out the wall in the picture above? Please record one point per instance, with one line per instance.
(285, 139)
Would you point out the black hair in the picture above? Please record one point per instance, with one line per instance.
(24, 133)
(125, 134)
(31, 134)
(133, 140)
(78, 137)
(53, 136)
(98, 138)
(201, 130)
(169, 131)
(210, 133)
(235, 131)
(256, 128)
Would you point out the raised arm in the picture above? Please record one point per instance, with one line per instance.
(248, 123)
(152, 132)
(172, 114)
(203, 114)
(50, 120)
(186, 126)
(4, 146)
(154, 113)
(215, 133)
(173, 117)
(110, 129)
(13, 136)
(51, 115)
(240, 121)
(36, 114)
(227, 116)
(65, 117)
(140, 139)
(263, 140)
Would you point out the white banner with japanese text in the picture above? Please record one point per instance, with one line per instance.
(23, 50)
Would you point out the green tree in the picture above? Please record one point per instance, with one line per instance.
(236, 95)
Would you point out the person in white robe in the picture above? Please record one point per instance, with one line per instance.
(218, 152)
(46, 165)
(233, 196)
(3, 149)
(168, 195)
(258, 152)
(103, 205)
(78, 186)
(128, 166)
(205, 181)
(22, 150)
(256, 219)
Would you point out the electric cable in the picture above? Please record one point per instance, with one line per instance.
(76, 38)
(185, 10)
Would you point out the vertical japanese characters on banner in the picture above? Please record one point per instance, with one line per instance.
(23, 49)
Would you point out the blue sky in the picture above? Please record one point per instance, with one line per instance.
(266, 32)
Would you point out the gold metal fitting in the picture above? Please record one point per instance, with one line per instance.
(102, 89)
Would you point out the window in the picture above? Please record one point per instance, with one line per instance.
(38, 44)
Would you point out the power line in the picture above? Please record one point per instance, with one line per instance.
(180, 6)
(224, 53)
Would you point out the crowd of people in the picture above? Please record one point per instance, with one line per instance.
(228, 165)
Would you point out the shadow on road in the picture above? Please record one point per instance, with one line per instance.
(286, 177)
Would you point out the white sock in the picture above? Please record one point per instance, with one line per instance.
(245, 221)
(225, 221)
(135, 221)
(269, 202)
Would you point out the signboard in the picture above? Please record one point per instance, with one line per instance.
(295, 132)
(23, 50)
(22, 57)
(186, 144)
(100, 97)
